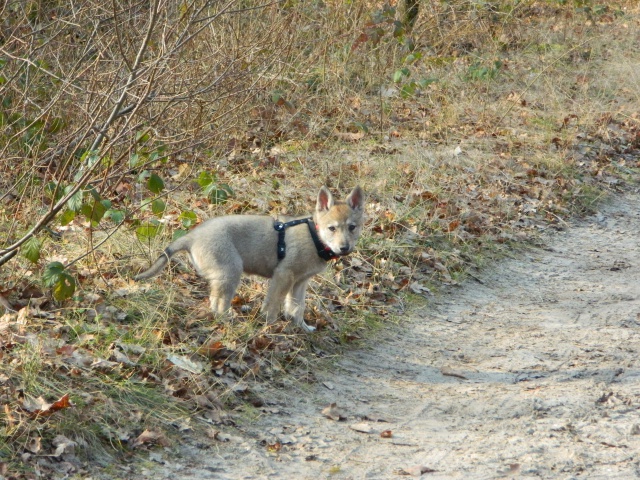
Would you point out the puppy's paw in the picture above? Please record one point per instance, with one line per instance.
(305, 327)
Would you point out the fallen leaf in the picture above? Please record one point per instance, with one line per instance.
(261, 343)
(34, 445)
(131, 348)
(420, 289)
(122, 357)
(66, 350)
(349, 136)
(104, 365)
(39, 407)
(416, 470)
(9, 418)
(218, 435)
(203, 402)
(149, 437)
(80, 358)
(274, 447)
(23, 316)
(215, 350)
(63, 445)
(361, 427)
(5, 303)
(449, 372)
(185, 363)
(333, 412)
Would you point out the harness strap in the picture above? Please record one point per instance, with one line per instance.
(324, 252)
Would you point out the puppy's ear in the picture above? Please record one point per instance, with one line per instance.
(325, 200)
(355, 200)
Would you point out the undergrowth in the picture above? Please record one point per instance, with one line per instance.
(471, 130)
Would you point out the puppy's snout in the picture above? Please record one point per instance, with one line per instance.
(344, 249)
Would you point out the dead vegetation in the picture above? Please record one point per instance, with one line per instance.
(120, 126)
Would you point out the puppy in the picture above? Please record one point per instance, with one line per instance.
(288, 253)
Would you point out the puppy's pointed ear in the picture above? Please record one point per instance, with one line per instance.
(355, 200)
(325, 200)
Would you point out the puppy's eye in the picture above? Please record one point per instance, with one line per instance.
(332, 229)
(352, 228)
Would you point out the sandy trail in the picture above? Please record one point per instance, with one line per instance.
(530, 371)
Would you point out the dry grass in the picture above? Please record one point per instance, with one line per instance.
(526, 116)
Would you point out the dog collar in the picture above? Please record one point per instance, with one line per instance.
(324, 252)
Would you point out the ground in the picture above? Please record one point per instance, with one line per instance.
(529, 370)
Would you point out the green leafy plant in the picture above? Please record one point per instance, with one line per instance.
(31, 249)
(216, 192)
(155, 184)
(61, 282)
(149, 230)
(401, 77)
(479, 72)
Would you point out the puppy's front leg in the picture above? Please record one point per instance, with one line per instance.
(280, 283)
(294, 304)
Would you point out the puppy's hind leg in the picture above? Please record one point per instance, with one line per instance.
(222, 292)
(223, 287)
(222, 268)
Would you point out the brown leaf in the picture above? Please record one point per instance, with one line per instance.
(215, 350)
(363, 37)
(386, 434)
(39, 407)
(149, 437)
(65, 350)
(238, 301)
(349, 136)
(261, 343)
(352, 337)
(7, 415)
(60, 404)
(274, 447)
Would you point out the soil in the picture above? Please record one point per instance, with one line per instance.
(529, 370)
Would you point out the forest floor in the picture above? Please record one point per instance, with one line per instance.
(529, 370)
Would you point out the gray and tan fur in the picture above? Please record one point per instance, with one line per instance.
(222, 248)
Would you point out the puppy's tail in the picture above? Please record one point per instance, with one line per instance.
(183, 243)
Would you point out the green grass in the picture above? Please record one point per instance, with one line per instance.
(458, 173)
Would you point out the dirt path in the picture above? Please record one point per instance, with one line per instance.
(529, 372)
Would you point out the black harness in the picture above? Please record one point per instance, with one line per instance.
(324, 252)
